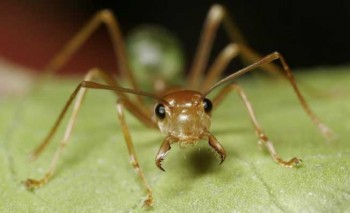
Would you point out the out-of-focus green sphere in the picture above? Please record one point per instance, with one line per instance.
(154, 54)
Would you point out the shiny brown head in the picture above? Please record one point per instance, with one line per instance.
(184, 117)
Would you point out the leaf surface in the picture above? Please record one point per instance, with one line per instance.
(94, 174)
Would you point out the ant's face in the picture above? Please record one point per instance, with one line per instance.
(185, 116)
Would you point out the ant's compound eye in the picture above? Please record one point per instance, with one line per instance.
(207, 105)
(160, 111)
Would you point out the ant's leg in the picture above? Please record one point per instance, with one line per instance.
(219, 65)
(250, 56)
(263, 139)
(143, 115)
(288, 75)
(200, 60)
(216, 15)
(132, 153)
(78, 93)
(247, 53)
(107, 18)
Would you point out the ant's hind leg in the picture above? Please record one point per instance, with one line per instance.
(218, 15)
(248, 54)
(103, 17)
(219, 65)
(263, 139)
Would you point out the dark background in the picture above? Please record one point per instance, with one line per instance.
(307, 33)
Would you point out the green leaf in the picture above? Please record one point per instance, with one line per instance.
(94, 173)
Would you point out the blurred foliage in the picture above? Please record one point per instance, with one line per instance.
(154, 54)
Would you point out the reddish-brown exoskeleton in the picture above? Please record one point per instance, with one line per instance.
(182, 114)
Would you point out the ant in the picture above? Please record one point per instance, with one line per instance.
(182, 114)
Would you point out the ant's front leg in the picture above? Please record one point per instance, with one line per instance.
(163, 151)
(127, 136)
(214, 143)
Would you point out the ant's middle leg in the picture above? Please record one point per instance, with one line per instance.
(263, 139)
(328, 133)
(79, 94)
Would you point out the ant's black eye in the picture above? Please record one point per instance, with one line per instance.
(160, 111)
(208, 106)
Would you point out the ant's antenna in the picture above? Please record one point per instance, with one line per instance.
(94, 85)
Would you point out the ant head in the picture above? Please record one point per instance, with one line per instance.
(184, 115)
